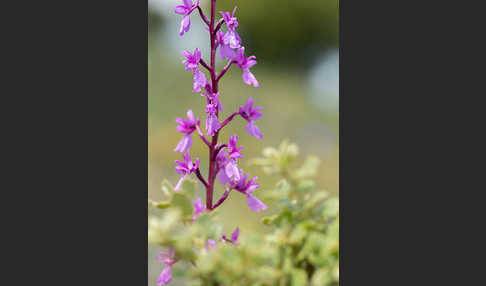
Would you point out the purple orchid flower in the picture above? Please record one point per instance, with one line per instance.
(233, 151)
(168, 259)
(212, 123)
(186, 127)
(245, 64)
(234, 236)
(231, 38)
(185, 10)
(247, 188)
(210, 244)
(198, 208)
(185, 168)
(212, 108)
(225, 51)
(251, 115)
(221, 162)
(231, 168)
(226, 165)
(192, 64)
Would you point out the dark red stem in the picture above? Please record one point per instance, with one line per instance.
(200, 177)
(227, 120)
(225, 69)
(222, 199)
(203, 138)
(218, 26)
(202, 15)
(214, 89)
(204, 64)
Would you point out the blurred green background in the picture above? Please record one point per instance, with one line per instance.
(296, 45)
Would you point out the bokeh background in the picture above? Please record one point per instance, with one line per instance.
(296, 45)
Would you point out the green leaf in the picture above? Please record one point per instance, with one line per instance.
(306, 185)
(298, 234)
(315, 198)
(160, 205)
(299, 277)
(167, 188)
(308, 169)
(183, 203)
(188, 187)
(269, 219)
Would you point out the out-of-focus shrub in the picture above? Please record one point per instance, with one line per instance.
(301, 248)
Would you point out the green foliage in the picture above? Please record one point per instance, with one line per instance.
(301, 248)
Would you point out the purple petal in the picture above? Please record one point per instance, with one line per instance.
(188, 3)
(234, 236)
(165, 277)
(198, 208)
(178, 186)
(210, 244)
(185, 25)
(197, 55)
(249, 78)
(232, 171)
(223, 178)
(180, 9)
(253, 130)
(199, 80)
(184, 144)
(232, 39)
(255, 204)
(190, 115)
(226, 52)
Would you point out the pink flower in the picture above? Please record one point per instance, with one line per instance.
(251, 115)
(231, 38)
(185, 168)
(247, 188)
(186, 127)
(245, 64)
(234, 236)
(168, 259)
(192, 64)
(210, 244)
(186, 11)
(198, 208)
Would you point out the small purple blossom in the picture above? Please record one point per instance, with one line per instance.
(168, 259)
(233, 151)
(251, 114)
(212, 124)
(225, 51)
(231, 170)
(185, 168)
(192, 60)
(198, 208)
(186, 127)
(212, 108)
(234, 236)
(192, 63)
(247, 188)
(221, 162)
(255, 204)
(210, 244)
(245, 64)
(231, 38)
(186, 10)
